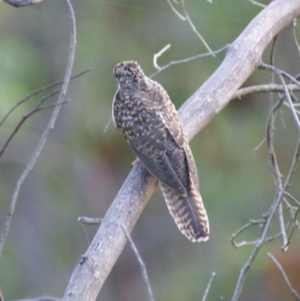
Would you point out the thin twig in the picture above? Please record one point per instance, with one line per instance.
(42, 298)
(158, 54)
(257, 3)
(186, 60)
(107, 125)
(243, 228)
(295, 36)
(194, 29)
(253, 242)
(177, 13)
(292, 198)
(282, 229)
(46, 132)
(210, 280)
(142, 265)
(259, 244)
(293, 291)
(293, 165)
(275, 108)
(263, 89)
(36, 109)
(90, 220)
(272, 159)
(187, 18)
(256, 148)
(39, 91)
(295, 225)
(20, 3)
(280, 74)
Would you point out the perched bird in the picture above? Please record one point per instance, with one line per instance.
(144, 114)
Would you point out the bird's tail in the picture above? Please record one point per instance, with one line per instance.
(188, 212)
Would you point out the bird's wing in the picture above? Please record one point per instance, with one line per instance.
(176, 131)
(151, 149)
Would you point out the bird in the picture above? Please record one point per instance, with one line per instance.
(143, 112)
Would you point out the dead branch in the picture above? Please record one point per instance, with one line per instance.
(293, 291)
(210, 280)
(240, 93)
(20, 3)
(142, 266)
(47, 130)
(182, 61)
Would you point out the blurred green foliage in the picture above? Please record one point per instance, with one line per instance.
(82, 166)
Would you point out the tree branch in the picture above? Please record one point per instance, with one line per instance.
(20, 3)
(243, 57)
(292, 290)
(46, 132)
(142, 266)
(240, 93)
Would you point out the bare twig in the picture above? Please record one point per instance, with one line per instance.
(259, 222)
(253, 242)
(43, 298)
(210, 280)
(36, 109)
(295, 36)
(142, 265)
(293, 165)
(257, 147)
(260, 242)
(177, 13)
(257, 3)
(90, 220)
(263, 89)
(198, 56)
(194, 29)
(158, 54)
(39, 91)
(293, 291)
(46, 132)
(295, 225)
(293, 79)
(282, 228)
(280, 75)
(107, 125)
(20, 3)
(292, 198)
(187, 18)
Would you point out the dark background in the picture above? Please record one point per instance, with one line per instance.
(82, 167)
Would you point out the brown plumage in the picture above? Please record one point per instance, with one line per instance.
(144, 113)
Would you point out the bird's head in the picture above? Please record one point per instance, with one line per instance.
(128, 72)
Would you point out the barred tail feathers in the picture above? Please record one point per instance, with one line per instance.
(188, 212)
